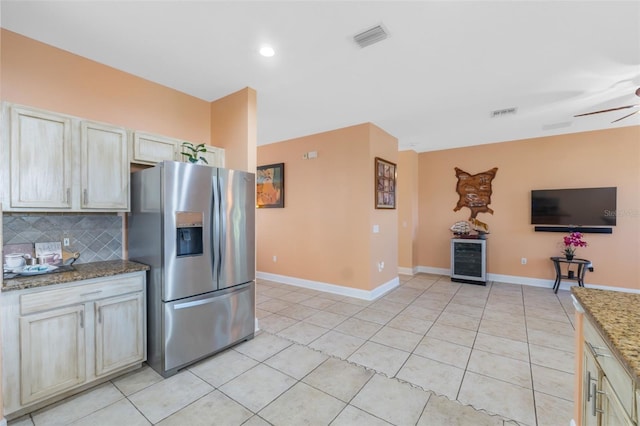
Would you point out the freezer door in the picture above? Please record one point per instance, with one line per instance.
(187, 223)
(200, 326)
(237, 227)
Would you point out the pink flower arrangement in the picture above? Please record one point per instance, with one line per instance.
(574, 239)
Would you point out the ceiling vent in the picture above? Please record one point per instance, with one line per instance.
(503, 112)
(371, 36)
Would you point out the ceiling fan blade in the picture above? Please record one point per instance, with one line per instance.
(607, 110)
(628, 115)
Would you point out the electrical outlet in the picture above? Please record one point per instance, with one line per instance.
(65, 242)
(523, 261)
(275, 259)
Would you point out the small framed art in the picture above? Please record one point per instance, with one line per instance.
(270, 186)
(385, 184)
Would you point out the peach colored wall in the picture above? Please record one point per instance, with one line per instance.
(324, 232)
(233, 127)
(407, 187)
(39, 75)
(591, 159)
(383, 245)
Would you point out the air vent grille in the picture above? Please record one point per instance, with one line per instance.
(503, 112)
(371, 36)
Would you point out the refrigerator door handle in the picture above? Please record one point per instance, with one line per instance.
(222, 230)
(215, 230)
(192, 304)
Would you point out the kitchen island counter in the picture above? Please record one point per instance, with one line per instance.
(82, 271)
(617, 316)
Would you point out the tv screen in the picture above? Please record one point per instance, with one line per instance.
(578, 207)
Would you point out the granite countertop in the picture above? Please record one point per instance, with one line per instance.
(82, 271)
(617, 315)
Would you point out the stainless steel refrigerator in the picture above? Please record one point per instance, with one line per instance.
(195, 227)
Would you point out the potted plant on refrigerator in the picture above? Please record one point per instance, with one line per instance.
(192, 152)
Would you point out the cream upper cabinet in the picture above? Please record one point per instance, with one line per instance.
(104, 166)
(40, 160)
(55, 162)
(152, 149)
(214, 155)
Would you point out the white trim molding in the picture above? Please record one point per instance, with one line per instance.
(407, 271)
(332, 288)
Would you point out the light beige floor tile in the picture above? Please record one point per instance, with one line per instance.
(552, 358)
(295, 296)
(78, 406)
(121, 411)
(296, 361)
(262, 346)
(443, 351)
(409, 323)
(510, 330)
(443, 379)
(256, 421)
(504, 307)
(559, 327)
(418, 284)
(293, 407)
(557, 314)
(170, 395)
(477, 302)
(262, 313)
(318, 302)
(396, 338)
(337, 344)
(221, 368)
(403, 295)
(359, 328)
(553, 411)
(352, 416)
(256, 388)
(436, 304)
(326, 319)
(456, 335)
(277, 291)
(303, 332)
(214, 408)
(275, 322)
(21, 421)
(551, 340)
(500, 367)
(343, 308)
(273, 305)
(442, 411)
(498, 397)
(502, 346)
(553, 382)
(460, 321)
(395, 402)
(470, 311)
(375, 315)
(339, 378)
(388, 306)
(509, 317)
(380, 358)
(137, 380)
(298, 312)
(422, 313)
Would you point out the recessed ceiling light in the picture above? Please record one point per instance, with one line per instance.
(267, 51)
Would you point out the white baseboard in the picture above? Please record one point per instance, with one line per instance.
(3, 422)
(407, 271)
(332, 288)
(434, 271)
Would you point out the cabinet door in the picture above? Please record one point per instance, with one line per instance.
(215, 156)
(119, 332)
(152, 149)
(40, 159)
(52, 347)
(105, 167)
(613, 413)
(591, 376)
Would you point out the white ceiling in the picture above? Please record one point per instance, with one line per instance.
(431, 84)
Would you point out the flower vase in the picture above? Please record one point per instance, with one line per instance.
(569, 257)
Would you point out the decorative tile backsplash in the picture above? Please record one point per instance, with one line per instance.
(97, 236)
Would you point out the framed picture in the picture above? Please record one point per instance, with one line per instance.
(385, 184)
(270, 186)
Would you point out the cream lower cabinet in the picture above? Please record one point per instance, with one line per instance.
(60, 339)
(607, 388)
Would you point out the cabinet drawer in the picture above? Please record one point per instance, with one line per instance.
(51, 299)
(620, 380)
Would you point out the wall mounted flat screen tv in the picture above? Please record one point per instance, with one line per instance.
(577, 207)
